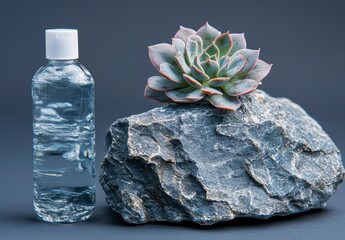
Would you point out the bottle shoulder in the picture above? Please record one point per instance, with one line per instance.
(67, 71)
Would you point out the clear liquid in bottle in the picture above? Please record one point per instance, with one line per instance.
(63, 142)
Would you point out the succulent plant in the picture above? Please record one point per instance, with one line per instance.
(205, 64)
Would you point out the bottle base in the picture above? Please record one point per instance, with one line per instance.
(65, 205)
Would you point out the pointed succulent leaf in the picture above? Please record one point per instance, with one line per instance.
(224, 67)
(208, 34)
(180, 95)
(223, 61)
(204, 56)
(224, 102)
(219, 81)
(178, 44)
(238, 42)
(156, 95)
(234, 66)
(198, 74)
(223, 43)
(210, 67)
(161, 52)
(260, 70)
(181, 62)
(213, 50)
(211, 91)
(171, 73)
(193, 82)
(183, 33)
(251, 57)
(197, 39)
(196, 95)
(160, 83)
(239, 87)
(191, 50)
(197, 62)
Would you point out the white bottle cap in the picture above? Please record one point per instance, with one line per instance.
(61, 44)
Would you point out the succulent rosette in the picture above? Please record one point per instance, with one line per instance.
(205, 64)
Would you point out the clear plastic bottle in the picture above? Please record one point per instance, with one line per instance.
(63, 133)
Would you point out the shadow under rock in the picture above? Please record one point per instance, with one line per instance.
(105, 215)
(255, 222)
(111, 217)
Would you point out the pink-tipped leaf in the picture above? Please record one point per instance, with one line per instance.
(183, 33)
(156, 95)
(260, 70)
(210, 67)
(219, 81)
(198, 40)
(160, 83)
(208, 34)
(178, 44)
(196, 95)
(171, 73)
(213, 50)
(234, 65)
(180, 95)
(238, 42)
(191, 50)
(198, 74)
(223, 61)
(181, 62)
(224, 102)
(193, 82)
(197, 63)
(160, 53)
(251, 57)
(239, 87)
(211, 91)
(223, 43)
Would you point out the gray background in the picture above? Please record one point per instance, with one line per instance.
(303, 39)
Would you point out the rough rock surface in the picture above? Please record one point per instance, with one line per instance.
(202, 164)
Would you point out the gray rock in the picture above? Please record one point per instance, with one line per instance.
(201, 164)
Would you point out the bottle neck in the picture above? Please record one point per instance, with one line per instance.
(62, 62)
